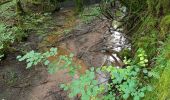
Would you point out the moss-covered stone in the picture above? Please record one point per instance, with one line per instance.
(39, 6)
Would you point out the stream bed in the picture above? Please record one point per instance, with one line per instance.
(92, 45)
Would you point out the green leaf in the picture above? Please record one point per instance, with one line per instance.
(145, 71)
(136, 98)
(18, 57)
(141, 58)
(29, 65)
(150, 74)
(62, 85)
(141, 94)
(71, 95)
(125, 96)
(92, 69)
(137, 69)
(46, 62)
(65, 88)
(149, 88)
(146, 60)
(133, 73)
(71, 55)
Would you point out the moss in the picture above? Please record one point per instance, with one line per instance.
(39, 6)
(164, 4)
(165, 26)
(161, 85)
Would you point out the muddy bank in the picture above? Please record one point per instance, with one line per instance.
(88, 42)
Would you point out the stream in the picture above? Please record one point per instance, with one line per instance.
(93, 45)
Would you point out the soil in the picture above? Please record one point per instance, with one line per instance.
(84, 40)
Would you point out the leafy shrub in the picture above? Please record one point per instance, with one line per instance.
(33, 58)
(64, 62)
(6, 38)
(6, 10)
(162, 66)
(130, 82)
(9, 31)
(86, 85)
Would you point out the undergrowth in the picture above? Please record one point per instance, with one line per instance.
(8, 36)
(90, 13)
(33, 58)
(146, 25)
(130, 82)
(16, 28)
(162, 65)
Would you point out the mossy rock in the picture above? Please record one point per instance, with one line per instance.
(39, 6)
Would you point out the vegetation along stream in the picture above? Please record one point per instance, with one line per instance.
(84, 50)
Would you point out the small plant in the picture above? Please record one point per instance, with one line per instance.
(33, 58)
(6, 38)
(66, 31)
(86, 85)
(132, 81)
(10, 77)
(64, 62)
(90, 13)
(7, 11)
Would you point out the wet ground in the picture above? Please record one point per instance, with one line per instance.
(88, 42)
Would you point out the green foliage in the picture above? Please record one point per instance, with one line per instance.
(79, 5)
(126, 83)
(164, 24)
(90, 13)
(146, 22)
(162, 65)
(10, 77)
(9, 30)
(147, 25)
(132, 81)
(6, 38)
(148, 34)
(38, 23)
(106, 8)
(33, 58)
(64, 62)
(129, 82)
(7, 11)
(38, 6)
(86, 85)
